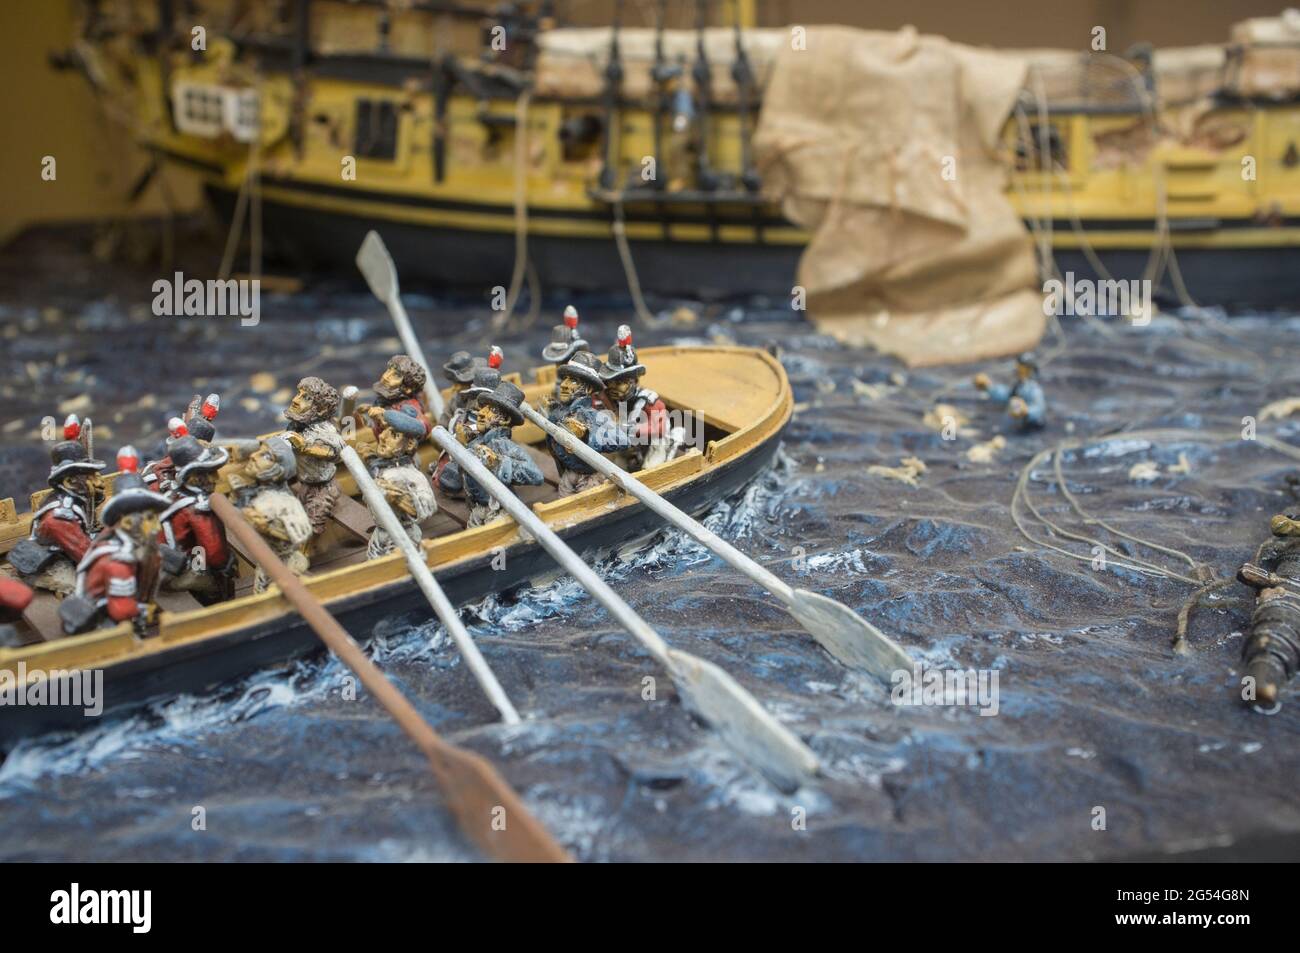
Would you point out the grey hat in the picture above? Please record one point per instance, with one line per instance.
(486, 380)
(460, 369)
(564, 343)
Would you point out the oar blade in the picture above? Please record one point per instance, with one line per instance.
(847, 636)
(745, 725)
(377, 267)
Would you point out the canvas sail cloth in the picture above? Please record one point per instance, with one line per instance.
(853, 140)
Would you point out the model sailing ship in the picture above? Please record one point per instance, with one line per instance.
(413, 115)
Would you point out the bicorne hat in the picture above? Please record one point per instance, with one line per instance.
(564, 338)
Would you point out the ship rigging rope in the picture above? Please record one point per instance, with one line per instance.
(522, 267)
(1206, 582)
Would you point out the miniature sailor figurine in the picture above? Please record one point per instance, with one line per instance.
(565, 339)
(398, 388)
(497, 414)
(1025, 400)
(463, 426)
(197, 557)
(459, 371)
(394, 467)
(578, 382)
(317, 446)
(1271, 651)
(637, 409)
(261, 491)
(118, 577)
(63, 525)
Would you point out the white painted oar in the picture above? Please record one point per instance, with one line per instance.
(716, 697)
(381, 274)
(841, 631)
(387, 519)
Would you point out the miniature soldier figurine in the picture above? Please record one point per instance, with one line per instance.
(565, 339)
(317, 445)
(578, 382)
(407, 490)
(119, 575)
(197, 557)
(198, 423)
(497, 413)
(62, 526)
(398, 388)
(637, 408)
(261, 491)
(459, 371)
(1271, 653)
(1025, 400)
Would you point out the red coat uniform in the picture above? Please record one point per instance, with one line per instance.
(64, 527)
(117, 579)
(191, 527)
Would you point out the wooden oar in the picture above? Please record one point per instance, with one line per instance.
(486, 807)
(386, 518)
(841, 631)
(715, 696)
(381, 274)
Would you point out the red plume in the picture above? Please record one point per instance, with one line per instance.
(495, 357)
(571, 317)
(211, 406)
(71, 427)
(624, 335)
(176, 427)
(128, 460)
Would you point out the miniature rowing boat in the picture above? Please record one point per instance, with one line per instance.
(738, 398)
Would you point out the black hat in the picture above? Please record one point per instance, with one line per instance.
(460, 369)
(1028, 359)
(130, 493)
(68, 457)
(187, 454)
(583, 366)
(506, 398)
(622, 361)
(201, 428)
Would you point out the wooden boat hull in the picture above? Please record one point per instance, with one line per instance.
(600, 520)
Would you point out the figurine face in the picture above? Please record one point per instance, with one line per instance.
(140, 526)
(488, 417)
(1024, 372)
(620, 389)
(390, 383)
(78, 483)
(570, 388)
(300, 408)
(391, 443)
(261, 462)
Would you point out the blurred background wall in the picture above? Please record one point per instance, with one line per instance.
(44, 112)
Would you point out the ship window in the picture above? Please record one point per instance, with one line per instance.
(376, 136)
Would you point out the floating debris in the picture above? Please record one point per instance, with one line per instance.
(909, 471)
(986, 451)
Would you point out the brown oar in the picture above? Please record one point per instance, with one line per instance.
(488, 809)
